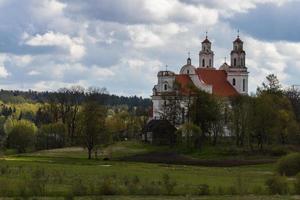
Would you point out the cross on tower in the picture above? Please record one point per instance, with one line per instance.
(206, 34)
(225, 59)
(189, 54)
(166, 67)
(238, 33)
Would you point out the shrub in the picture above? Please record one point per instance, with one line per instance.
(297, 184)
(21, 134)
(278, 151)
(289, 165)
(203, 189)
(168, 183)
(79, 188)
(277, 185)
(151, 188)
(107, 187)
(258, 190)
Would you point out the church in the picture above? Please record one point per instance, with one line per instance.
(224, 81)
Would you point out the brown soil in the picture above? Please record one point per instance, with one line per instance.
(174, 158)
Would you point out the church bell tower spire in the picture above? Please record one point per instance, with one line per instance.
(206, 55)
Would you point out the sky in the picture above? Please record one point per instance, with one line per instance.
(122, 44)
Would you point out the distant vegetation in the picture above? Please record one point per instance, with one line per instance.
(46, 138)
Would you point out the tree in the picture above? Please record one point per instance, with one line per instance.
(190, 135)
(272, 85)
(92, 127)
(3, 135)
(293, 94)
(172, 110)
(69, 100)
(240, 119)
(51, 135)
(205, 111)
(21, 134)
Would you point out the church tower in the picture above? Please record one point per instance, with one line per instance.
(206, 55)
(237, 72)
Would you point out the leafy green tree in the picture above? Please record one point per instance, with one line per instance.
(51, 136)
(3, 135)
(92, 125)
(205, 111)
(21, 134)
(241, 115)
(190, 135)
(271, 85)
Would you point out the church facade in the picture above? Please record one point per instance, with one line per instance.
(224, 81)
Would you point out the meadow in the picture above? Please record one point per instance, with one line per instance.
(67, 173)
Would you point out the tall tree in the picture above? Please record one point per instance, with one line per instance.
(92, 122)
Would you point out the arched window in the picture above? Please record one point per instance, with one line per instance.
(165, 87)
(203, 63)
(244, 85)
(233, 81)
(234, 62)
(210, 63)
(187, 71)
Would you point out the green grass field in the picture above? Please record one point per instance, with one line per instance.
(63, 167)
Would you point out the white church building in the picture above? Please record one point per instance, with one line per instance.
(225, 81)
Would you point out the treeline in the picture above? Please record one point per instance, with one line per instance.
(70, 116)
(15, 96)
(269, 118)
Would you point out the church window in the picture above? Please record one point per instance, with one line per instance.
(187, 71)
(165, 87)
(203, 63)
(210, 62)
(244, 85)
(234, 62)
(233, 81)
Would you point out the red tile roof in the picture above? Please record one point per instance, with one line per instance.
(185, 82)
(218, 80)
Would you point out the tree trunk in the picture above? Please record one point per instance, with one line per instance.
(90, 154)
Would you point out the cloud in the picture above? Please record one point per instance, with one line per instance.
(3, 72)
(73, 45)
(137, 12)
(122, 44)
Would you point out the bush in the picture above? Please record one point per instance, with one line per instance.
(151, 188)
(278, 151)
(21, 134)
(107, 187)
(203, 189)
(168, 183)
(79, 188)
(289, 165)
(297, 184)
(277, 185)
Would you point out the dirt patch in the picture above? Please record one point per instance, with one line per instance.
(177, 159)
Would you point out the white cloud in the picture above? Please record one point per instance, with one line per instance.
(33, 73)
(48, 8)
(73, 44)
(147, 36)
(101, 73)
(166, 10)
(3, 72)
